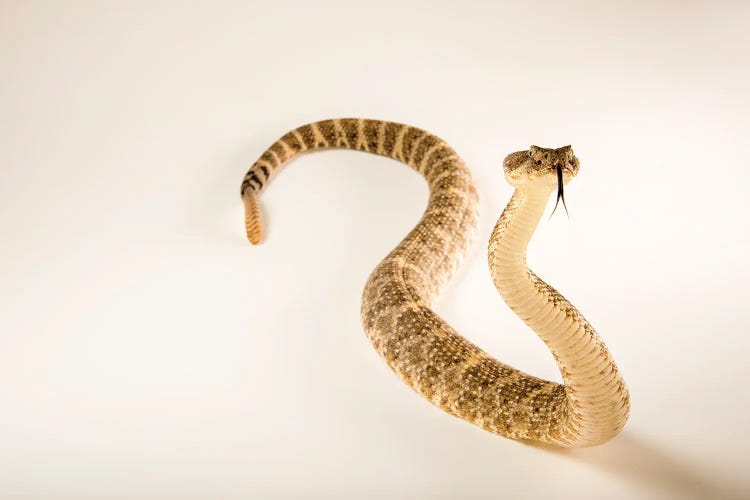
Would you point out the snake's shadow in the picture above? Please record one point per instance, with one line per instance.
(661, 471)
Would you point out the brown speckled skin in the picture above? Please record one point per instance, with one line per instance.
(425, 351)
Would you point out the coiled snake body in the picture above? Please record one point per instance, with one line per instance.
(592, 404)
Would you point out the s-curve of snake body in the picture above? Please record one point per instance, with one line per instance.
(592, 404)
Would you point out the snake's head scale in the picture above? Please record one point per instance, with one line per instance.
(541, 165)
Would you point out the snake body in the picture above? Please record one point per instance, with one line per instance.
(592, 404)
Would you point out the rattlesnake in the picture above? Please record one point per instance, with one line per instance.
(450, 371)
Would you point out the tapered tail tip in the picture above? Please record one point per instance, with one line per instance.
(252, 218)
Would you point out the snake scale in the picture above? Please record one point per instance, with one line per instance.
(592, 404)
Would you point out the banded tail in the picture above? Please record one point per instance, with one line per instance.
(422, 151)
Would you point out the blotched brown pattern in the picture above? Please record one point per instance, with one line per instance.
(424, 350)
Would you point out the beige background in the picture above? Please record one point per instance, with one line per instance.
(147, 351)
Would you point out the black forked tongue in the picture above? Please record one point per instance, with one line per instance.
(560, 192)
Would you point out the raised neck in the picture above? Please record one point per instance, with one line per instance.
(516, 225)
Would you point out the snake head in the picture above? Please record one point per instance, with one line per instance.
(541, 165)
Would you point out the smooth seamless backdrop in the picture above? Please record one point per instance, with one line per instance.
(147, 351)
